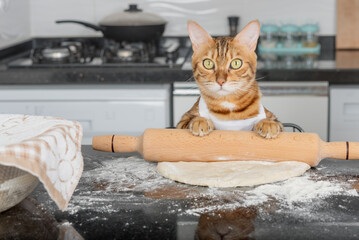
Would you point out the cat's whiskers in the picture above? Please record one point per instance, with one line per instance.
(208, 82)
(189, 79)
(255, 79)
(248, 91)
(238, 86)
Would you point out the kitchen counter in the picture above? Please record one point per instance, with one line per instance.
(108, 75)
(120, 196)
(341, 67)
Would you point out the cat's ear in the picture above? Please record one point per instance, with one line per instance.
(198, 35)
(249, 35)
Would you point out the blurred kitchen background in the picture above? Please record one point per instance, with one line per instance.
(21, 19)
(308, 68)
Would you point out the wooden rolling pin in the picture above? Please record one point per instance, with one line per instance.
(172, 145)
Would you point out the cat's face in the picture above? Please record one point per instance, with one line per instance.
(224, 66)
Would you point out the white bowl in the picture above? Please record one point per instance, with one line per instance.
(15, 186)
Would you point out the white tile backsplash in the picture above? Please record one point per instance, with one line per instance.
(322, 12)
(108, 7)
(36, 18)
(212, 14)
(207, 13)
(14, 21)
(44, 13)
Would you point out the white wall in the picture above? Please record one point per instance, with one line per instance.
(22, 19)
(44, 13)
(14, 21)
(211, 14)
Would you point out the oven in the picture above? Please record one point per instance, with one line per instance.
(344, 113)
(302, 103)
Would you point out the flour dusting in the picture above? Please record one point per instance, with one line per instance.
(301, 189)
(134, 181)
(287, 194)
(127, 174)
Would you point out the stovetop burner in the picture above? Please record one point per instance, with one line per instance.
(92, 52)
(139, 52)
(63, 52)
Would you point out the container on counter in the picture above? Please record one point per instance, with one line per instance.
(290, 61)
(290, 35)
(269, 36)
(233, 22)
(310, 35)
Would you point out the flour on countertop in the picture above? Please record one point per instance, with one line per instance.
(301, 189)
(128, 179)
(127, 174)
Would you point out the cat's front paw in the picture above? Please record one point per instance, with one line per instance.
(268, 128)
(200, 126)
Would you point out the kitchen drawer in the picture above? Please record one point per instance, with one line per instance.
(126, 110)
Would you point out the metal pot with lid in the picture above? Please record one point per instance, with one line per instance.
(132, 25)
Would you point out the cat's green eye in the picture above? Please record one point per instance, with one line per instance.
(236, 63)
(208, 63)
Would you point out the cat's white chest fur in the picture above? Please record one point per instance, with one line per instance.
(228, 105)
(234, 125)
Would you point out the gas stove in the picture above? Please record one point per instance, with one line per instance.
(169, 52)
(61, 52)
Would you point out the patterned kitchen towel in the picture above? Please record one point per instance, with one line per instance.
(48, 148)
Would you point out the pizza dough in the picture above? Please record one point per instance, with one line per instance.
(232, 173)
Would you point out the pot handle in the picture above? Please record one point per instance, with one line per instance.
(86, 24)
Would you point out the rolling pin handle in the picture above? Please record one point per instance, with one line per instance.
(352, 151)
(115, 143)
(340, 150)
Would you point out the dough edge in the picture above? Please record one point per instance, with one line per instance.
(259, 172)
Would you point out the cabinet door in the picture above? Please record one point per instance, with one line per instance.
(17, 107)
(112, 109)
(309, 112)
(344, 113)
(98, 117)
(181, 104)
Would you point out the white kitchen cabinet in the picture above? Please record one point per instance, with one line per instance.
(182, 104)
(344, 113)
(309, 112)
(302, 103)
(111, 109)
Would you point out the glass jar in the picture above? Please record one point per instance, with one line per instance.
(290, 35)
(269, 35)
(310, 35)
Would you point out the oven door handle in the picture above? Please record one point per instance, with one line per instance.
(186, 92)
(294, 88)
(267, 88)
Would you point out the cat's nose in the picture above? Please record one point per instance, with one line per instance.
(221, 81)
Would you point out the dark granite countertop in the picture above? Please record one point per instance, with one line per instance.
(120, 196)
(108, 75)
(335, 67)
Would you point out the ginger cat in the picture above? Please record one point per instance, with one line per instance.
(224, 69)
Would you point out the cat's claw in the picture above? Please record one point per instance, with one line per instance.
(268, 128)
(200, 126)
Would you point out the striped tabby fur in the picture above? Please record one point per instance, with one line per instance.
(230, 94)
